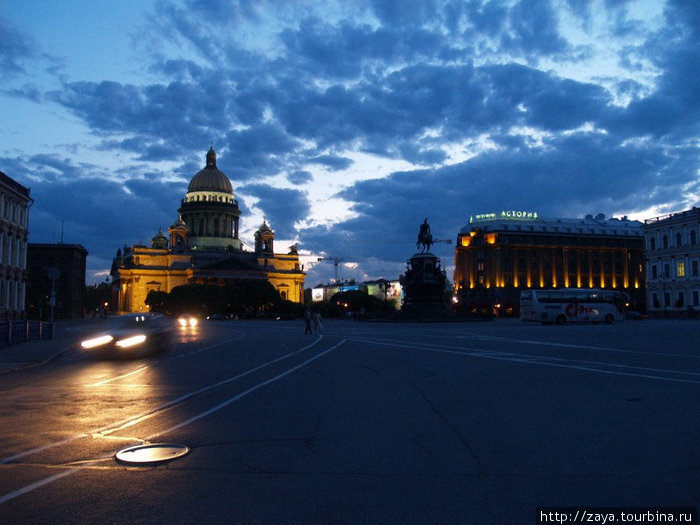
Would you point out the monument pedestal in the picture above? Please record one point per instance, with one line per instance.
(424, 288)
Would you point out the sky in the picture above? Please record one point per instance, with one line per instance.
(344, 125)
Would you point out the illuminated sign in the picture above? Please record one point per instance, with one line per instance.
(505, 215)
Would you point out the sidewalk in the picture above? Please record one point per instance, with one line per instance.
(38, 352)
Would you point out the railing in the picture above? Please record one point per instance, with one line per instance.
(12, 332)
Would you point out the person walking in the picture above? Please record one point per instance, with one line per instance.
(316, 319)
(307, 322)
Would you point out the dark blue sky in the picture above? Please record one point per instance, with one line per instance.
(345, 124)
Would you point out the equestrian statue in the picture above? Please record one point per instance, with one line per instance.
(424, 237)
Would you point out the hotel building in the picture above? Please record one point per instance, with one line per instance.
(672, 261)
(499, 254)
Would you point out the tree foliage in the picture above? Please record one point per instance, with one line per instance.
(157, 301)
(242, 297)
(96, 296)
(354, 301)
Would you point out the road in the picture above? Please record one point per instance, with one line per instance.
(363, 423)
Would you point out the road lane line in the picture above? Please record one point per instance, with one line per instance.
(36, 485)
(244, 393)
(131, 420)
(120, 377)
(50, 479)
(587, 366)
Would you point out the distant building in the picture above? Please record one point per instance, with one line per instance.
(56, 277)
(499, 254)
(672, 260)
(14, 218)
(203, 247)
(384, 290)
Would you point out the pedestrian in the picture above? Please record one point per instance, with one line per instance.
(316, 318)
(307, 322)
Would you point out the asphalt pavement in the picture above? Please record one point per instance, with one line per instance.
(38, 352)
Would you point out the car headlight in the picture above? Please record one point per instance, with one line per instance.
(97, 341)
(131, 341)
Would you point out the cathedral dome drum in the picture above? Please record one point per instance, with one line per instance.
(210, 211)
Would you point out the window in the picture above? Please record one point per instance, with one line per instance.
(679, 239)
(667, 271)
(652, 244)
(693, 237)
(665, 242)
(695, 298)
(654, 273)
(694, 268)
(680, 269)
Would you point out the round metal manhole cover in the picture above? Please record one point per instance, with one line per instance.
(153, 453)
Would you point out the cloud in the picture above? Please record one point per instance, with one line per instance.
(17, 48)
(79, 205)
(485, 105)
(281, 207)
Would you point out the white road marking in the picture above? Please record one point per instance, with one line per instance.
(577, 364)
(135, 419)
(244, 393)
(36, 485)
(120, 377)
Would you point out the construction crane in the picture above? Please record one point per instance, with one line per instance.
(335, 260)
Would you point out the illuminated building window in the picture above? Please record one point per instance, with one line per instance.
(680, 269)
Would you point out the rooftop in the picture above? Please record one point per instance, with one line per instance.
(532, 222)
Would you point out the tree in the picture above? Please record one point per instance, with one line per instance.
(252, 296)
(96, 296)
(157, 301)
(203, 299)
(354, 301)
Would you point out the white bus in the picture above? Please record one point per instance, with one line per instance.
(576, 305)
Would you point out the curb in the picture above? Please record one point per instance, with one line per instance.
(35, 364)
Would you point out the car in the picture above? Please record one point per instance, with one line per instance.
(217, 317)
(187, 320)
(131, 335)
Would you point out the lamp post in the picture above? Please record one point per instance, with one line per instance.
(53, 273)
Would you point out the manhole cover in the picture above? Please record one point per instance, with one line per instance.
(153, 453)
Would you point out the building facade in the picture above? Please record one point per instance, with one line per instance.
(203, 247)
(56, 281)
(499, 254)
(672, 262)
(14, 220)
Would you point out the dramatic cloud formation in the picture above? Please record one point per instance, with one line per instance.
(344, 125)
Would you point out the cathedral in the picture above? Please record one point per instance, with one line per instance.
(202, 247)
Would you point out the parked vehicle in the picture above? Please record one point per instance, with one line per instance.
(566, 305)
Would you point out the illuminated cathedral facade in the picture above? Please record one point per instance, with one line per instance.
(203, 247)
